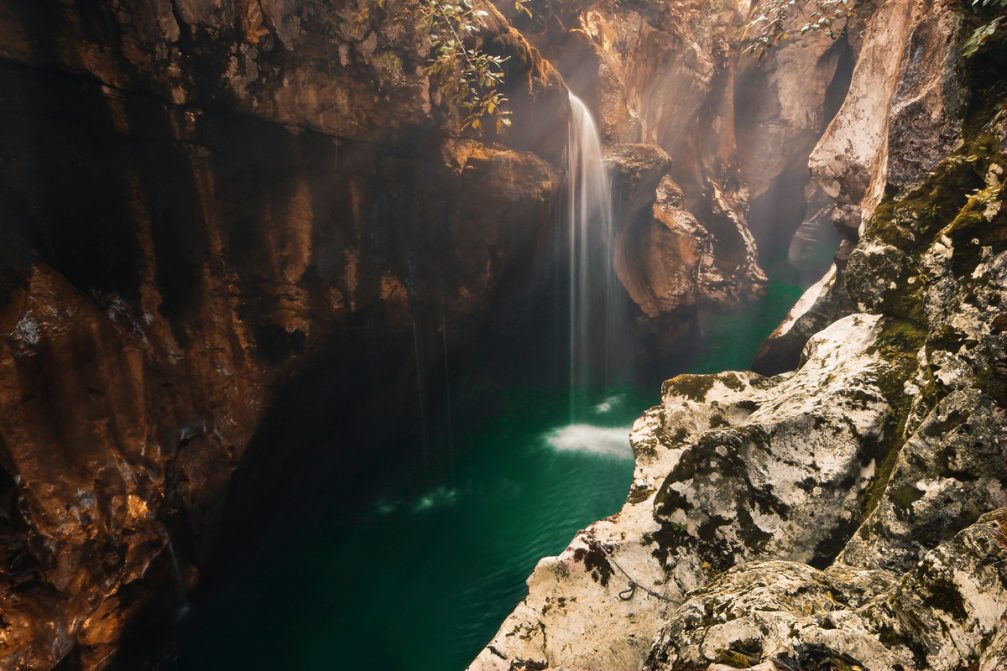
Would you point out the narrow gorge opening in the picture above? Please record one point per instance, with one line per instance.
(470, 465)
(430, 335)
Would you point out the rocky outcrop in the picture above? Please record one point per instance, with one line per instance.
(199, 198)
(908, 76)
(707, 494)
(665, 257)
(849, 514)
(662, 74)
(951, 601)
(353, 71)
(821, 304)
(907, 93)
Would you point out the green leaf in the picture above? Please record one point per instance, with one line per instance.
(980, 36)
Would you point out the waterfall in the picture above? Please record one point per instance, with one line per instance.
(183, 608)
(447, 397)
(597, 348)
(420, 393)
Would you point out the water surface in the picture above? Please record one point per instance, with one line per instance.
(421, 582)
(421, 575)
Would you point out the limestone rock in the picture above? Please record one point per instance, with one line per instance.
(949, 472)
(823, 303)
(941, 615)
(707, 494)
(900, 117)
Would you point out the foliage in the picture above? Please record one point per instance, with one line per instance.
(777, 20)
(470, 77)
(983, 33)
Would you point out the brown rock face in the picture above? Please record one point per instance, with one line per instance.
(661, 249)
(663, 74)
(195, 202)
(738, 130)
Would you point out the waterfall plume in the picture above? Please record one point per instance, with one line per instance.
(597, 347)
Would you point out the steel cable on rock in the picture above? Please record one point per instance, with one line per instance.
(628, 593)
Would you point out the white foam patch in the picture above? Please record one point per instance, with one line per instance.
(598, 440)
(437, 498)
(608, 404)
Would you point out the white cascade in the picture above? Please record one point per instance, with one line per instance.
(596, 307)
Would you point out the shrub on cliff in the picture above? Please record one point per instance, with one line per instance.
(467, 76)
(990, 29)
(775, 20)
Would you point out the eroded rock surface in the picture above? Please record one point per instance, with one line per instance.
(939, 615)
(662, 74)
(665, 257)
(198, 200)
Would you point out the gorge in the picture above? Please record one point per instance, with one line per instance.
(689, 355)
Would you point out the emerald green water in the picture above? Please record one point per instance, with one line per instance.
(732, 339)
(421, 580)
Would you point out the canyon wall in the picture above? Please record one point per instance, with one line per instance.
(737, 130)
(850, 513)
(198, 200)
(210, 206)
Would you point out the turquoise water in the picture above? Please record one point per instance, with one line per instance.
(421, 583)
(422, 580)
(731, 339)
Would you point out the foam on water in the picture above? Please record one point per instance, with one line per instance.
(436, 498)
(598, 440)
(385, 507)
(608, 404)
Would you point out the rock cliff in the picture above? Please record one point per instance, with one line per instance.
(204, 202)
(737, 129)
(198, 199)
(849, 514)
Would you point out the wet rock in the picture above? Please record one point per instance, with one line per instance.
(664, 255)
(823, 303)
(662, 74)
(635, 171)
